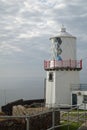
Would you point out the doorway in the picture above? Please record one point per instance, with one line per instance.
(74, 99)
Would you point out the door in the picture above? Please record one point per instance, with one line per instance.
(74, 99)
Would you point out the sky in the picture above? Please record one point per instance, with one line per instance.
(25, 29)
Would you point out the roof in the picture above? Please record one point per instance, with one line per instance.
(63, 33)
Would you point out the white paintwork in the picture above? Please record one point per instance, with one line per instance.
(68, 47)
(50, 90)
(79, 98)
(64, 33)
(58, 91)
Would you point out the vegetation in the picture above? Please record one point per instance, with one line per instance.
(73, 126)
(74, 118)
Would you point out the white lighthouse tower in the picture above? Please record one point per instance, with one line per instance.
(62, 70)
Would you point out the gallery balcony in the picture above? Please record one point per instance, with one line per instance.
(63, 65)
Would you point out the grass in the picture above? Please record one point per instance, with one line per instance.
(73, 126)
(74, 113)
(72, 116)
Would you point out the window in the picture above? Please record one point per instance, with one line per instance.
(84, 98)
(51, 76)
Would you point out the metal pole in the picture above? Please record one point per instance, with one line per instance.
(85, 112)
(68, 120)
(27, 123)
(78, 113)
(53, 118)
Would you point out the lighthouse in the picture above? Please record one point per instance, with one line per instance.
(62, 70)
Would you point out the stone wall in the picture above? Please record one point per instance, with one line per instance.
(40, 122)
(7, 109)
(44, 121)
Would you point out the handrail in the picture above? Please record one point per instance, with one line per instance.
(81, 87)
(53, 110)
(53, 64)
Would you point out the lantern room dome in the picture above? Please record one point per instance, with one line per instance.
(63, 33)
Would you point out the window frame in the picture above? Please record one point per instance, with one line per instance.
(50, 78)
(84, 98)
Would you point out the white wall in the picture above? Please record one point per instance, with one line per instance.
(50, 90)
(80, 98)
(68, 47)
(59, 91)
(64, 79)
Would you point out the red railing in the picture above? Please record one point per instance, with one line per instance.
(70, 64)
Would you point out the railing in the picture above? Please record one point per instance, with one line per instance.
(80, 87)
(63, 64)
(68, 115)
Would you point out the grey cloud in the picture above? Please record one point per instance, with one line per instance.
(29, 30)
(7, 9)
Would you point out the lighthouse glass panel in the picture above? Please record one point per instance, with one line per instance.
(56, 48)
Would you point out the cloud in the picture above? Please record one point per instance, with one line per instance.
(35, 18)
(8, 49)
(27, 25)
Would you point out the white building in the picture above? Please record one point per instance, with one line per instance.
(62, 69)
(79, 95)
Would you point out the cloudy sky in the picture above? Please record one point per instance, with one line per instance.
(25, 29)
